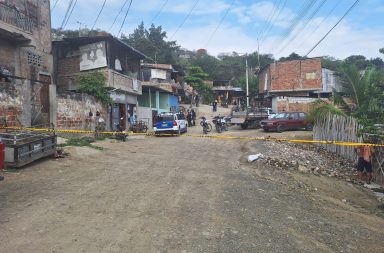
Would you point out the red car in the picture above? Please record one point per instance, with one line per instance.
(286, 121)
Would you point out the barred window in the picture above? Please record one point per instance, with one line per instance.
(34, 59)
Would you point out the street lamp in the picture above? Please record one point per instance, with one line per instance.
(246, 76)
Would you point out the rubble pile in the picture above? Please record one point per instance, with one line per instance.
(308, 159)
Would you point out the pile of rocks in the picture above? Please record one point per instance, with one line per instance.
(308, 159)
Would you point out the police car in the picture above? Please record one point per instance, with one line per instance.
(170, 123)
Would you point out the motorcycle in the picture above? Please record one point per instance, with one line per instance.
(221, 123)
(120, 133)
(207, 127)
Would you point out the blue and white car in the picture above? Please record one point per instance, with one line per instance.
(170, 123)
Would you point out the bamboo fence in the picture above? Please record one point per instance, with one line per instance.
(340, 128)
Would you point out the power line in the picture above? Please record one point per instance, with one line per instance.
(70, 14)
(299, 30)
(122, 24)
(322, 21)
(54, 5)
(221, 21)
(98, 15)
(114, 21)
(66, 13)
(185, 19)
(296, 19)
(158, 13)
(270, 19)
(345, 14)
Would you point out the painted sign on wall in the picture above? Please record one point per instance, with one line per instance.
(93, 56)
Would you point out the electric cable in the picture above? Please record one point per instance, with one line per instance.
(126, 13)
(322, 21)
(221, 21)
(121, 10)
(98, 15)
(158, 13)
(66, 13)
(70, 14)
(299, 30)
(185, 19)
(270, 19)
(345, 14)
(54, 5)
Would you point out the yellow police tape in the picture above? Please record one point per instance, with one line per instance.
(338, 143)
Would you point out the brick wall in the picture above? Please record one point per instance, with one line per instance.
(292, 76)
(11, 107)
(73, 111)
(294, 104)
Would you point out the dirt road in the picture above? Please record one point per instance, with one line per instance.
(180, 194)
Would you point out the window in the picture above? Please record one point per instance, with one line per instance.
(302, 115)
(180, 116)
(34, 59)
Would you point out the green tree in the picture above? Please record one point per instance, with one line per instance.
(195, 77)
(291, 57)
(365, 92)
(152, 42)
(93, 83)
(253, 84)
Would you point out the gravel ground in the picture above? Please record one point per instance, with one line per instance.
(182, 194)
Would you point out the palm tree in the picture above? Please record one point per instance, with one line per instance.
(357, 97)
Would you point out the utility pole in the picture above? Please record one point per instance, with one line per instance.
(246, 79)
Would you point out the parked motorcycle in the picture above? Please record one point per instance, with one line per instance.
(207, 127)
(221, 123)
(120, 133)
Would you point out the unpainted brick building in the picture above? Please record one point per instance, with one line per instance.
(27, 95)
(295, 85)
(299, 77)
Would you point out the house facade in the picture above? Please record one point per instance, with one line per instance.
(117, 61)
(295, 85)
(159, 91)
(27, 93)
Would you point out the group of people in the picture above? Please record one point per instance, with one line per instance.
(191, 117)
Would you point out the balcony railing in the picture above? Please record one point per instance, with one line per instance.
(123, 82)
(12, 16)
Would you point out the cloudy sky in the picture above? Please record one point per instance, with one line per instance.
(222, 26)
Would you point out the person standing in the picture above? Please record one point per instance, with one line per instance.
(189, 118)
(365, 154)
(193, 117)
(214, 106)
(197, 100)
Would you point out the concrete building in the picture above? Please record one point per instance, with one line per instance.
(295, 85)
(119, 62)
(159, 91)
(27, 93)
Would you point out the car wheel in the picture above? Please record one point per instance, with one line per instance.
(309, 127)
(186, 129)
(244, 126)
(156, 133)
(280, 128)
(178, 131)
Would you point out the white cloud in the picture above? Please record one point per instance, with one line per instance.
(265, 11)
(183, 7)
(342, 42)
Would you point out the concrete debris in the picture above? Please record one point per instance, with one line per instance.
(308, 159)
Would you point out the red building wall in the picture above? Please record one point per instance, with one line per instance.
(304, 75)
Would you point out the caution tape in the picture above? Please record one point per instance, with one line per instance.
(228, 137)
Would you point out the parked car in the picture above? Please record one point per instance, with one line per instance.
(287, 121)
(171, 123)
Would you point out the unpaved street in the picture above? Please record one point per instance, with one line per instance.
(180, 194)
